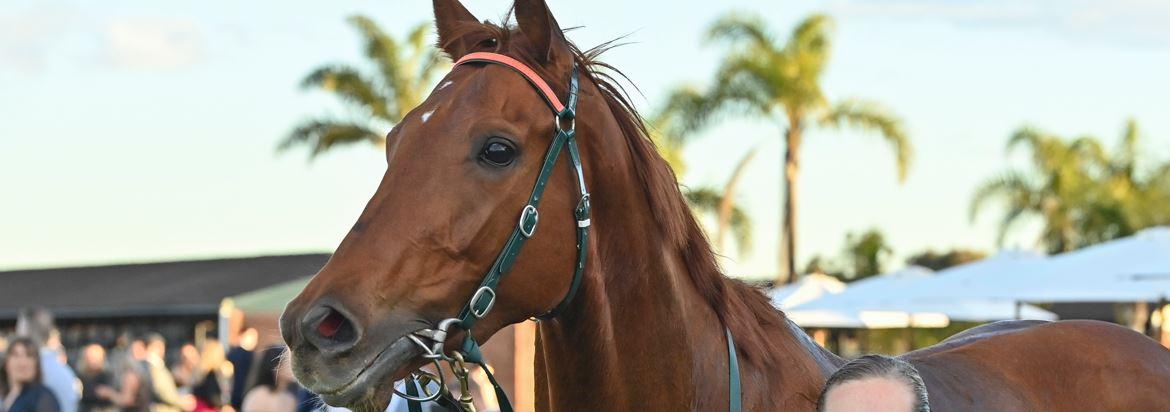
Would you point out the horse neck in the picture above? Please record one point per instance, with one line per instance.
(636, 336)
(639, 335)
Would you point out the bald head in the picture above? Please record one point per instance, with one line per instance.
(875, 383)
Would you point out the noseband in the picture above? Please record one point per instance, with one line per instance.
(484, 298)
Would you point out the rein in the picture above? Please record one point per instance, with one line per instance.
(484, 298)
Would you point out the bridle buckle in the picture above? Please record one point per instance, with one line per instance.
(481, 292)
(528, 214)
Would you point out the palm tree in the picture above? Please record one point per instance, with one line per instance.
(1082, 193)
(400, 75)
(780, 81)
(1055, 190)
(865, 254)
(670, 137)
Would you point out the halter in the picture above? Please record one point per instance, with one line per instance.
(484, 298)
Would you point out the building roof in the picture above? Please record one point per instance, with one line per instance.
(148, 289)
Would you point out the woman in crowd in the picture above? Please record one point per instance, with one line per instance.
(269, 387)
(20, 380)
(213, 370)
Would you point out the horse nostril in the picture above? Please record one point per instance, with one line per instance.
(329, 329)
(332, 323)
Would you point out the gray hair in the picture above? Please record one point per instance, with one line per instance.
(36, 324)
(878, 366)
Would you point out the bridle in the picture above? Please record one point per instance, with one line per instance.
(484, 298)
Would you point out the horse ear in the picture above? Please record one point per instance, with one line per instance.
(538, 25)
(449, 16)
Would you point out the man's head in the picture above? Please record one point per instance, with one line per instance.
(875, 383)
(93, 357)
(138, 349)
(156, 344)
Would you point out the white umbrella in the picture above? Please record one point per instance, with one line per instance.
(915, 297)
(1135, 268)
(856, 307)
(809, 287)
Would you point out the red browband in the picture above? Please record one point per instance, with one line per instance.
(521, 68)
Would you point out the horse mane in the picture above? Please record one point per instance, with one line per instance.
(744, 309)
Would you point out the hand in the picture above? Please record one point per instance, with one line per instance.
(104, 392)
(187, 402)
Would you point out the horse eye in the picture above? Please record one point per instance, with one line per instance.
(497, 153)
(488, 43)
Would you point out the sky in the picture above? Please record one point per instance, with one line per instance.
(141, 130)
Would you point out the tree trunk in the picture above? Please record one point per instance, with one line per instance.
(787, 267)
(727, 202)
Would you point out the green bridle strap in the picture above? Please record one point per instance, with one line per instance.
(735, 401)
(484, 298)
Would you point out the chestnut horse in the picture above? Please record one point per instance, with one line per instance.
(646, 330)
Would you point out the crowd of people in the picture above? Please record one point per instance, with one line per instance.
(133, 376)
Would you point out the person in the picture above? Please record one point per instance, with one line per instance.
(269, 385)
(241, 357)
(209, 392)
(134, 392)
(95, 380)
(875, 383)
(164, 393)
(187, 371)
(38, 325)
(21, 389)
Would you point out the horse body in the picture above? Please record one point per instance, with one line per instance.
(646, 328)
(1056, 366)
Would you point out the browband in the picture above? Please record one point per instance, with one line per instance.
(545, 91)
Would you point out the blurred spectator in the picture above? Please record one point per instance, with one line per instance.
(209, 392)
(95, 380)
(37, 325)
(3, 348)
(270, 385)
(133, 393)
(21, 389)
(241, 357)
(164, 393)
(187, 371)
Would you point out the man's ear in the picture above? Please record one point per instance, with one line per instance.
(538, 25)
(450, 15)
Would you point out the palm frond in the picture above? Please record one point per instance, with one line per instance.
(741, 228)
(809, 47)
(384, 51)
(746, 85)
(871, 117)
(1012, 186)
(703, 199)
(352, 86)
(321, 135)
(748, 30)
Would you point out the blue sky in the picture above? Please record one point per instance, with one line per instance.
(141, 130)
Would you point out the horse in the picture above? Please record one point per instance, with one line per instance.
(645, 318)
